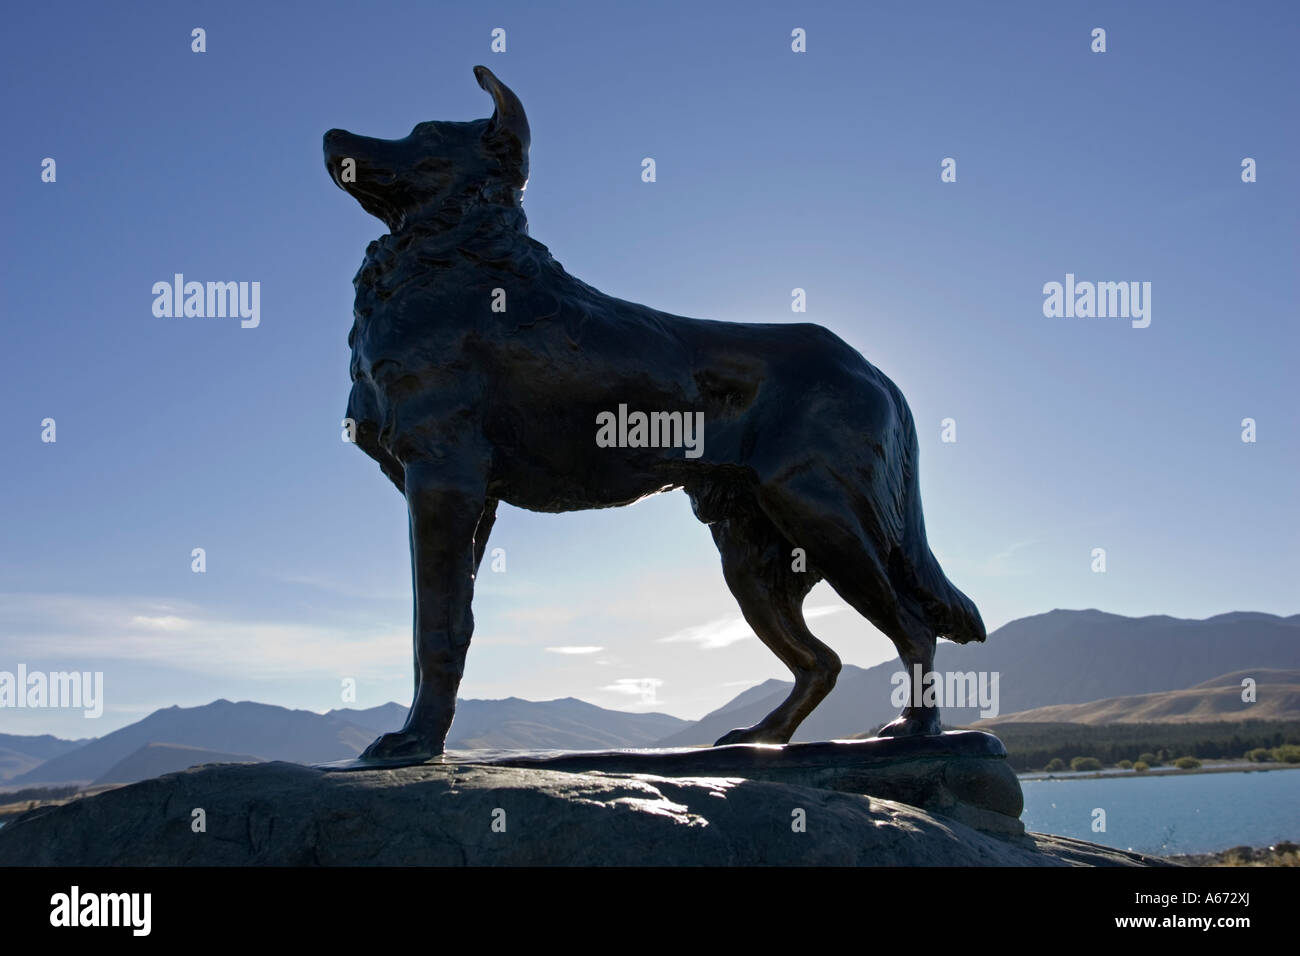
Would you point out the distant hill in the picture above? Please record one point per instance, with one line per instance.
(515, 724)
(19, 754)
(249, 731)
(1219, 699)
(154, 760)
(1261, 675)
(267, 731)
(565, 724)
(1061, 657)
(377, 720)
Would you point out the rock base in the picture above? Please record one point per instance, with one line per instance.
(449, 814)
(961, 774)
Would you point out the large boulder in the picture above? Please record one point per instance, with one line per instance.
(452, 814)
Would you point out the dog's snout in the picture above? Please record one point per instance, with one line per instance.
(336, 139)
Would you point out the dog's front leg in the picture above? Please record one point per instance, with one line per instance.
(444, 511)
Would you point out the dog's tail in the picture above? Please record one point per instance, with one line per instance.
(948, 612)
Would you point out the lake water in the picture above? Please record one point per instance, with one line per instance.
(1187, 813)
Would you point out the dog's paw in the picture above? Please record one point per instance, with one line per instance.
(906, 726)
(401, 746)
(750, 735)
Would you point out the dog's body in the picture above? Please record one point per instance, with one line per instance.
(806, 445)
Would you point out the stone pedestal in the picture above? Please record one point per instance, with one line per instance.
(961, 774)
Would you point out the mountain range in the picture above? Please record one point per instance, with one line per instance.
(1082, 666)
(515, 724)
(1061, 657)
(19, 754)
(224, 731)
(1276, 697)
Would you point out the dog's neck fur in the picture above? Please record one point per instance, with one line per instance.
(477, 210)
(473, 226)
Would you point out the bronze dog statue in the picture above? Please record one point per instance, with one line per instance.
(483, 372)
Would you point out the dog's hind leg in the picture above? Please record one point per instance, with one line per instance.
(852, 570)
(757, 565)
(857, 564)
(916, 645)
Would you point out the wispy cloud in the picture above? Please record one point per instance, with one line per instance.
(725, 631)
(79, 627)
(722, 632)
(575, 649)
(1002, 565)
(169, 622)
(644, 687)
(344, 589)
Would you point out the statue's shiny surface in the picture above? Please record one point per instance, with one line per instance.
(484, 372)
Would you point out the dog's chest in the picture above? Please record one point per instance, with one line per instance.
(379, 279)
(400, 294)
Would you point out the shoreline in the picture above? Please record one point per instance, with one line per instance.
(1111, 772)
(1283, 853)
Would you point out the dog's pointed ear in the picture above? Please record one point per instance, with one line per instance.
(508, 125)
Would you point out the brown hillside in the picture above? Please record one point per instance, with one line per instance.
(1277, 698)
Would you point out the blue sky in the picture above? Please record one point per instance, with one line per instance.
(775, 170)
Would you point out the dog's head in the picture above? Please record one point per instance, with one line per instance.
(401, 180)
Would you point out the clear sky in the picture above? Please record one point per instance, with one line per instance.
(775, 170)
